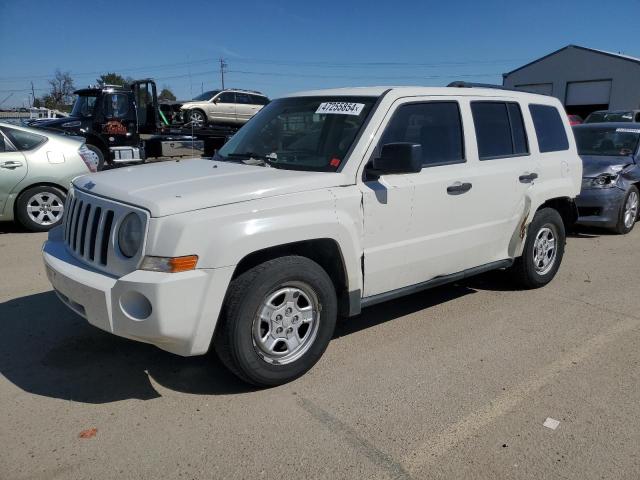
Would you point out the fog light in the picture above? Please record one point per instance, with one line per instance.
(135, 306)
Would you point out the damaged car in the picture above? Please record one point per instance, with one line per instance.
(609, 197)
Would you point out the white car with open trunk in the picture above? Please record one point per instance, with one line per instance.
(324, 203)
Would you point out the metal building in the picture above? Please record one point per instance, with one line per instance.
(584, 79)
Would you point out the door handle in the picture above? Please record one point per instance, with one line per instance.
(11, 164)
(458, 188)
(528, 177)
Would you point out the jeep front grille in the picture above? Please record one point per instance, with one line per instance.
(90, 227)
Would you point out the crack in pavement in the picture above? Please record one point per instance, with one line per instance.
(341, 429)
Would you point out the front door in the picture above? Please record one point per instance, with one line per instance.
(13, 168)
(416, 226)
(222, 109)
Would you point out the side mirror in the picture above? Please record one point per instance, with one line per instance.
(400, 157)
(216, 100)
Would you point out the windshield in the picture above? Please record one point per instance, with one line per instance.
(206, 96)
(607, 141)
(598, 117)
(83, 106)
(303, 133)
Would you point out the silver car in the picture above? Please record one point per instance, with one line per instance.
(35, 171)
(223, 107)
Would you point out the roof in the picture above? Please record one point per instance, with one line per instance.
(416, 90)
(592, 50)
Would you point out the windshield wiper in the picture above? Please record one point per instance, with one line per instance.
(265, 160)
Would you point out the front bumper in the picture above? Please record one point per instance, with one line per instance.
(176, 312)
(599, 207)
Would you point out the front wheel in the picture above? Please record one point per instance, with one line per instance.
(278, 320)
(197, 118)
(543, 250)
(628, 211)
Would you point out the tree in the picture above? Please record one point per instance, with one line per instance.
(61, 93)
(166, 94)
(112, 79)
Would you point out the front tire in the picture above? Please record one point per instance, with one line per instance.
(39, 209)
(628, 211)
(277, 321)
(197, 118)
(543, 250)
(100, 154)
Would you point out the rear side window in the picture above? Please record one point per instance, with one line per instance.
(550, 131)
(243, 98)
(24, 140)
(499, 129)
(259, 100)
(434, 125)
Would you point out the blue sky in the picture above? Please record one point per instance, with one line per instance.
(282, 46)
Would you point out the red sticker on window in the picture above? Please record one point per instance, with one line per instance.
(335, 162)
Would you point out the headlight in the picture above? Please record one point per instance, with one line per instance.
(130, 235)
(604, 180)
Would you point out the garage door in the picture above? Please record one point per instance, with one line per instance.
(541, 88)
(588, 93)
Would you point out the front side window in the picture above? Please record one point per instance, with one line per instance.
(499, 129)
(227, 97)
(23, 140)
(606, 141)
(300, 133)
(550, 131)
(83, 106)
(116, 105)
(436, 126)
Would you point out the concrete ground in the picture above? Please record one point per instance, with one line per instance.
(451, 383)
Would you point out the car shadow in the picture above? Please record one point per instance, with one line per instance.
(12, 227)
(47, 350)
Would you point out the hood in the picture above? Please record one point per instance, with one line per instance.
(594, 165)
(55, 124)
(191, 104)
(171, 187)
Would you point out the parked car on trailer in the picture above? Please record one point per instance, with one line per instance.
(613, 116)
(326, 202)
(610, 154)
(35, 172)
(223, 107)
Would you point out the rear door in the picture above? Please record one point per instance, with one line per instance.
(504, 174)
(13, 167)
(245, 107)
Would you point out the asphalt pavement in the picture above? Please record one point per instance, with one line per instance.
(453, 383)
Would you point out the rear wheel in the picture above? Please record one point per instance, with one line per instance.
(278, 320)
(628, 211)
(40, 208)
(543, 250)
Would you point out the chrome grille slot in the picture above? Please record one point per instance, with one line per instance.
(89, 232)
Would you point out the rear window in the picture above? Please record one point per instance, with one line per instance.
(499, 129)
(550, 131)
(23, 140)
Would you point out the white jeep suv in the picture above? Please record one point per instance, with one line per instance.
(327, 202)
(223, 107)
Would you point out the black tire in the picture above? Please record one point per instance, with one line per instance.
(524, 269)
(100, 154)
(198, 114)
(235, 341)
(623, 228)
(46, 197)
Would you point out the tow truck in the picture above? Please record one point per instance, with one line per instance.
(127, 124)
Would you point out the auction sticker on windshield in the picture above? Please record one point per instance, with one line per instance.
(340, 108)
(628, 130)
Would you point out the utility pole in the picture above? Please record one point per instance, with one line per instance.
(33, 94)
(223, 66)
